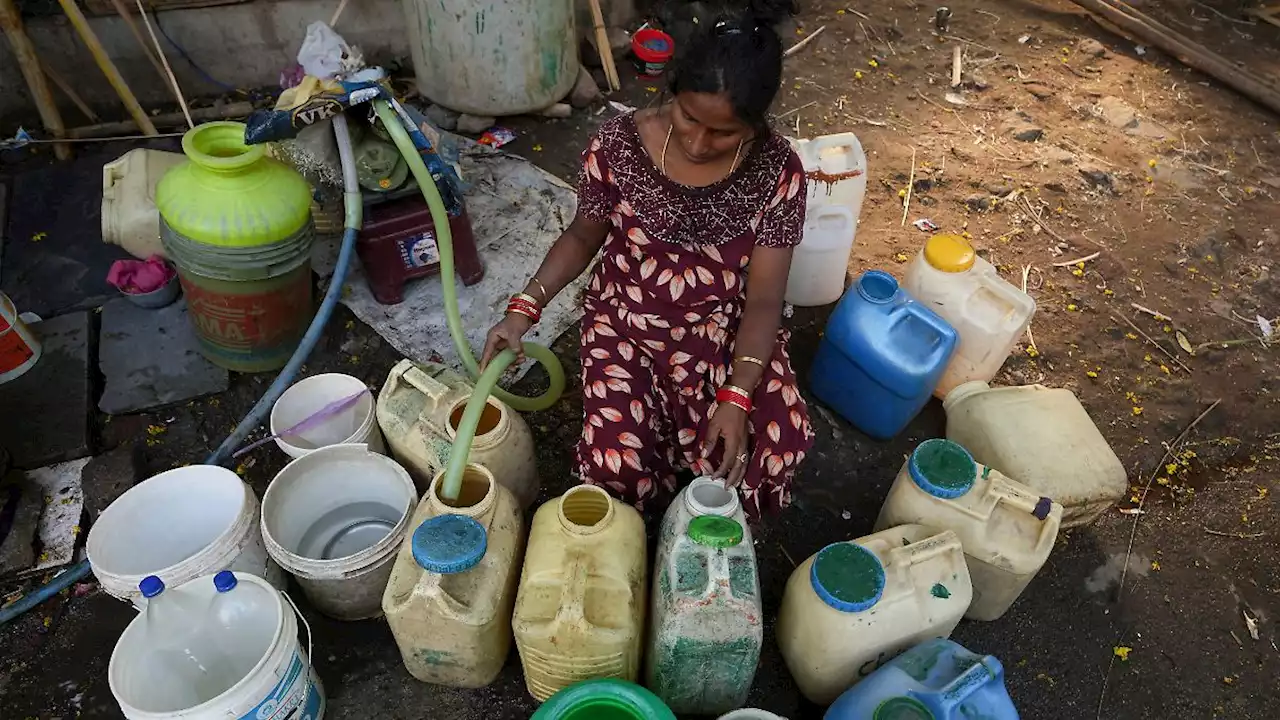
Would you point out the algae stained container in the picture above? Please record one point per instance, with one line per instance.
(237, 225)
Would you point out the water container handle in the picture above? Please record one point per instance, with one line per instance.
(906, 556)
(410, 373)
(305, 624)
(826, 142)
(934, 322)
(944, 702)
(110, 176)
(1010, 294)
(1002, 490)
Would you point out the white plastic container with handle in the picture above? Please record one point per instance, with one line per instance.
(129, 215)
(820, 262)
(836, 168)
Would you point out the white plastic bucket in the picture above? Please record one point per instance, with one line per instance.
(356, 424)
(179, 525)
(331, 500)
(20, 349)
(281, 680)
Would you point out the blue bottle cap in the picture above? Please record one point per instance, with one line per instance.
(449, 544)
(877, 286)
(847, 577)
(224, 581)
(151, 586)
(902, 708)
(943, 469)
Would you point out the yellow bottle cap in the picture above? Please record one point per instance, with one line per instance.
(949, 253)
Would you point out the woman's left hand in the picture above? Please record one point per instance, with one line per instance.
(728, 425)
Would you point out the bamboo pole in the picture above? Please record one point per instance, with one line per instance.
(123, 11)
(29, 63)
(1186, 50)
(603, 47)
(168, 71)
(90, 39)
(166, 120)
(69, 91)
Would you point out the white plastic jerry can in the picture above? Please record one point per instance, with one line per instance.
(706, 619)
(836, 168)
(988, 313)
(419, 410)
(1044, 438)
(820, 262)
(1006, 528)
(856, 605)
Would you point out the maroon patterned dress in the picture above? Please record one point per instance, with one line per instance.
(661, 312)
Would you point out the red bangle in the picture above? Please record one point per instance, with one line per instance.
(521, 311)
(525, 305)
(735, 396)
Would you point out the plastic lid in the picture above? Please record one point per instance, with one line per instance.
(902, 708)
(715, 531)
(942, 468)
(449, 544)
(949, 253)
(847, 576)
(151, 586)
(224, 581)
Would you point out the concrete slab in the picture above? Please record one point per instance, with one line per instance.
(63, 500)
(149, 358)
(45, 414)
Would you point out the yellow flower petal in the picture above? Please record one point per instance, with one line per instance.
(1122, 652)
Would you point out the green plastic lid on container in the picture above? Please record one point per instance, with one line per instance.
(942, 468)
(847, 577)
(715, 531)
(610, 699)
(902, 708)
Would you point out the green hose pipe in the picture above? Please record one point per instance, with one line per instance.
(485, 383)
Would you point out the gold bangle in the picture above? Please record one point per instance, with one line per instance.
(541, 288)
(529, 298)
(749, 359)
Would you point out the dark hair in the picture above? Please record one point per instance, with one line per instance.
(739, 53)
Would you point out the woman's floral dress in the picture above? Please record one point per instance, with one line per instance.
(661, 312)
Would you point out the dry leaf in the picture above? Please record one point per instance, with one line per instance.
(1184, 343)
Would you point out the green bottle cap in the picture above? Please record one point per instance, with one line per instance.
(902, 708)
(715, 531)
(847, 577)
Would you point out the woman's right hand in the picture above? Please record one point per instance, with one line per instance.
(506, 335)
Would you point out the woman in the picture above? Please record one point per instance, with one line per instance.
(696, 205)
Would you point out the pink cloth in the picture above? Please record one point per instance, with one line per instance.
(135, 277)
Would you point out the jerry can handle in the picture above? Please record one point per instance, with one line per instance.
(827, 142)
(415, 377)
(1012, 296)
(906, 556)
(935, 323)
(110, 176)
(944, 702)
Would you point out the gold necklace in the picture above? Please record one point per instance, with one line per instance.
(663, 161)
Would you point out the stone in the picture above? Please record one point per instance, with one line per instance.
(1091, 48)
(980, 203)
(1121, 115)
(1097, 177)
(151, 358)
(585, 91)
(474, 124)
(107, 477)
(1038, 91)
(47, 411)
(1020, 126)
(442, 117)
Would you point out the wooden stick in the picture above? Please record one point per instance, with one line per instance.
(1086, 258)
(69, 91)
(911, 183)
(800, 45)
(333, 21)
(1238, 536)
(1184, 49)
(230, 110)
(168, 71)
(29, 63)
(1153, 343)
(91, 41)
(603, 48)
(957, 65)
(123, 11)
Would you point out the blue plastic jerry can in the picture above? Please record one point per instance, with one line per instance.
(881, 357)
(936, 680)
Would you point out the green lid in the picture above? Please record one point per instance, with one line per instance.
(715, 531)
(902, 708)
(943, 469)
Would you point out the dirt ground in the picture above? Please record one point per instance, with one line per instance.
(1164, 180)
